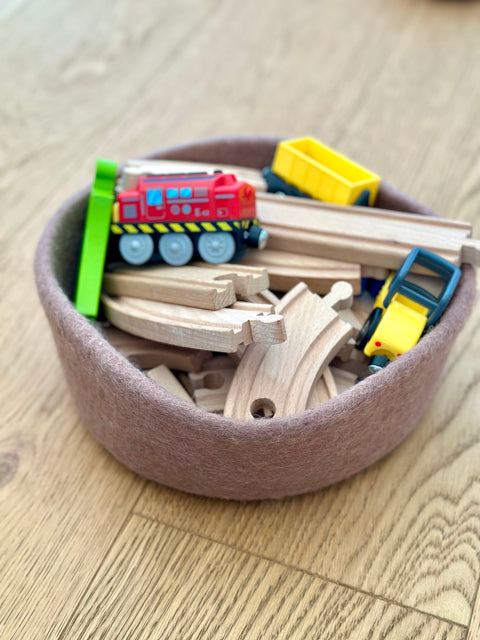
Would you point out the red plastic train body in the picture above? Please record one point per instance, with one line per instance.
(209, 214)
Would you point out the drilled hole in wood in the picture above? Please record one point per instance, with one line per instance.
(213, 381)
(262, 408)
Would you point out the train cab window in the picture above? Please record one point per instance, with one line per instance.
(129, 211)
(186, 192)
(172, 193)
(201, 192)
(154, 197)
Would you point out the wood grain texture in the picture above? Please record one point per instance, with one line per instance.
(221, 330)
(370, 237)
(192, 587)
(194, 286)
(277, 380)
(166, 379)
(286, 269)
(406, 529)
(393, 85)
(146, 354)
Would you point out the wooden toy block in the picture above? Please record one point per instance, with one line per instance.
(367, 236)
(135, 169)
(323, 390)
(286, 269)
(146, 354)
(278, 379)
(222, 330)
(166, 379)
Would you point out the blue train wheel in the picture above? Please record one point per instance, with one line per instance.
(136, 248)
(175, 248)
(216, 246)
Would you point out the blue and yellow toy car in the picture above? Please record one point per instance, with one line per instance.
(404, 310)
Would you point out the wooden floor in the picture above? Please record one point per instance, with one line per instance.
(88, 549)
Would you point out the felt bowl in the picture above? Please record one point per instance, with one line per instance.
(179, 445)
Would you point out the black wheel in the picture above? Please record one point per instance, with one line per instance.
(377, 363)
(368, 329)
(257, 237)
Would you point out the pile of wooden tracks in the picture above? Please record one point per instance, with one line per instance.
(273, 334)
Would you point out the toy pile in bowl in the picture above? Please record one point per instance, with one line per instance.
(262, 293)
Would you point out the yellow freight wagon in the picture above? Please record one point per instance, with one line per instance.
(322, 173)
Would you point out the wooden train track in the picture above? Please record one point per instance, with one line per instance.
(278, 380)
(222, 330)
(362, 235)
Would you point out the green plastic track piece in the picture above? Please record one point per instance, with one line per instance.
(95, 239)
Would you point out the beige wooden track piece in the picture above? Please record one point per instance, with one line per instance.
(203, 287)
(343, 379)
(222, 330)
(266, 297)
(324, 389)
(378, 273)
(191, 286)
(347, 315)
(147, 354)
(362, 306)
(277, 380)
(286, 269)
(210, 386)
(165, 378)
(246, 280)
(134, 169)
(366, 235)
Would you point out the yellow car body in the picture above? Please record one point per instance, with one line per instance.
(400, 327)
(323, 173)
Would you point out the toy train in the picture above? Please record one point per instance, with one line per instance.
(171, 218)
(212, 215)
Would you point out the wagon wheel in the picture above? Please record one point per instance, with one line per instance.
(368, 329)
(175, 248)
(136, 248)
(216, 247)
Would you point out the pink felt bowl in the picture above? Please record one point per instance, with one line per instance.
(176, 444)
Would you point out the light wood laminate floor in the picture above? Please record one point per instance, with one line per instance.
(87, 548)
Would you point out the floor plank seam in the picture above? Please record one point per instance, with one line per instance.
(293, 567)
(89, 584)
(476, 605)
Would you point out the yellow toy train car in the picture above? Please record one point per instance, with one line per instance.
(306, 167)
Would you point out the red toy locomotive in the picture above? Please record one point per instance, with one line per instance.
(179, 215)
